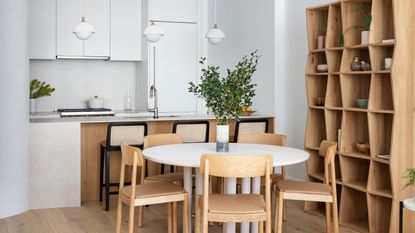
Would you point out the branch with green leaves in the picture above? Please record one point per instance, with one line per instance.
(226, 97)
(365, 26)
(410, 178)
(39, 89)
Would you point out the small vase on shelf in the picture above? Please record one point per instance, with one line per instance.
(33, 105)
(365, 37)
(222, 138)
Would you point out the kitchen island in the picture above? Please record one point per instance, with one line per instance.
(64, 168)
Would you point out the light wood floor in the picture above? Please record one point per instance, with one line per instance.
(91, 218)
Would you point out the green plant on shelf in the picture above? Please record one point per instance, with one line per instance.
(324, 29)
(227, 97)
(410, 178)
(39, 89)
(365, 26)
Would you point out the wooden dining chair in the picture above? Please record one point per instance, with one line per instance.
(154, 170)
(250, 126)
(312, 191)
(147, 194)
(235, 207)
(267, 139)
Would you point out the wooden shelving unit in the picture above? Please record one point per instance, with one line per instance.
(369, 188)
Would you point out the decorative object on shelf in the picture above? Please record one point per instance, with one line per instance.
(388, 41)
(363, 147)
(321, 40)
(215, 35)
(246, 112)
(83, 30)
(366, 26)
(365, 66)
(95, 102)
(226, 97)
(320, 101)
(322, 68)
(385, 157)
(388, 63)
(153, 33)
(38, 89)
(362, 103)
(356, 65)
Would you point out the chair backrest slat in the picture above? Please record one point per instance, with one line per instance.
(128, 153)
(263, 138)
(328, 150)
(240, 166)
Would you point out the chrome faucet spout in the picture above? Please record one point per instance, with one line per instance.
(154, 95)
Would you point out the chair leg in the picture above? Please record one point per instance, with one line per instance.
(101, 171)
(119, 216)
(328, 214)
(107, 181)
(261, 227)
(198, 213)
(174, 216)
(186, 219)
(204, 221)
(335, 217)
(169, 218)
(278, 216)
(131, 220)
(284, 215)
(140, 216)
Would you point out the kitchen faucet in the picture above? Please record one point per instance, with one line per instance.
(155, 109)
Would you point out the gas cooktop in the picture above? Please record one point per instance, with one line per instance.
(83, 112)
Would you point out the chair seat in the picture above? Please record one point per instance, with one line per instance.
(153, 190)
(289, 186)
(167, 177)
(236, 204)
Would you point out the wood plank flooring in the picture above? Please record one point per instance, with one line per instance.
(91, 218)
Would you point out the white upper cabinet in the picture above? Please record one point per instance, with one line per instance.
(42, 35)
(173, 10)
(176, 66)
(126, 34)
(69, 13)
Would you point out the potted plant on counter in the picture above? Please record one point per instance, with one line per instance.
(226, 97)
(410, 182)
(38, 89)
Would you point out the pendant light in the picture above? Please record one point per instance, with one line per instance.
(153, 33)
(83, 30)
(215, 35)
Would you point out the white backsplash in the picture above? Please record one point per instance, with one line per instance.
(77, 80)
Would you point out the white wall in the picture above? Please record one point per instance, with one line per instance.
(290, 62)
(14, 104)
(248, 25)
(77, 80)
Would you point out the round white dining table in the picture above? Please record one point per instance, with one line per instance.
(187, 155)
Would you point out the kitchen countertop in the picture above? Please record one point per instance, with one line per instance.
(53, 117)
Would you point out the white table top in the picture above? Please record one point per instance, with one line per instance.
(188, 154)
(410, 204)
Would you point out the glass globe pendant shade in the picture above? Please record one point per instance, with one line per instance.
(215, 35)
(153, 33)
(83, 30)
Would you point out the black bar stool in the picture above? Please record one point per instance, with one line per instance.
(250, 126)
(132, 133)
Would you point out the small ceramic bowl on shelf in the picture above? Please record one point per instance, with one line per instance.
(362, 103)
(363, 147)
(322, 68)
(246, 113)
